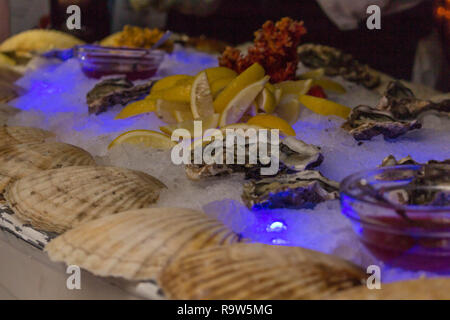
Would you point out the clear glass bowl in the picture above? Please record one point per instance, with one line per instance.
(97, 61)
(410, 236)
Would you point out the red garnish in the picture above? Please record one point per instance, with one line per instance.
(275, 48)
(317, 91)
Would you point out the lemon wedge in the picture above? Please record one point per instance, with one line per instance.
(180, 92)
(313, 74)
(324, 107)
(169, 82)
(147, 138)
(137, 107)
(254, 73)
(289, 109)
(237, 107)
(330, 85)
(294, 87)
(181, 115)
(207, 123)
(266, 101)
(165, 109)
(272, 122)
(218, 85)
(201, 97)
(219, 73)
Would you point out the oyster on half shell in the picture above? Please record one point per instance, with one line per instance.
(293, 191)
(110, 92)
(365, 122)
(403, 104)
(294, 155)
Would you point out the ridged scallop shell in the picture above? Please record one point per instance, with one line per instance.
(137, 244)
(420, 289)
(257, 271)
(18, 135)
(17, 161)
(60, 199)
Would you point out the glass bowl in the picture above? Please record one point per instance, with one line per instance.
(401, 217)
(98, 61)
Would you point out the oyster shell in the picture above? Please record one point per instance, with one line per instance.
(402, 103)
(110, 92)
(419, 289)
(335, 62)
(365, 122)
(20, 160)
(294, 155)
(391, 161)
(60, 199)
(298, 190)
(257, 271)
(18, 135)
(137, 244)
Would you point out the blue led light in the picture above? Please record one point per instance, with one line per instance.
(277, 226)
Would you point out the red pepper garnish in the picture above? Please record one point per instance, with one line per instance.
(317, 91)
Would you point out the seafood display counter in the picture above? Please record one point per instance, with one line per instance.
(348, 161)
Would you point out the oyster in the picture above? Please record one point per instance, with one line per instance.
(60, 199)
(294, 155)
(20, 160)
(257, 271)
(18, 135)
(298, 190)
(402, 103)
(419, 289)
(335, 62)
(365, 122)
(110, 92)
(137, 244)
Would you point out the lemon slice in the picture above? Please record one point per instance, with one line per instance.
(266, 101)
(272, 122)
(330, 85)
(324, 107)
(165, 109)
(218, 85)
(237, 107)
(169, 82)
(289, 109)
(294, 87)
(147, 138)
(246, 78)
(180, 92)
(220, 73)
(181, 116)
(313, 74)
(207, 123)
(201, 97)
(138, 107)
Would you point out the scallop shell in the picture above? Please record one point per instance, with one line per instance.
(257, 271)
(17, 161)
(60, 199)
(137, 244)
(18, 135)
(420, 289)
